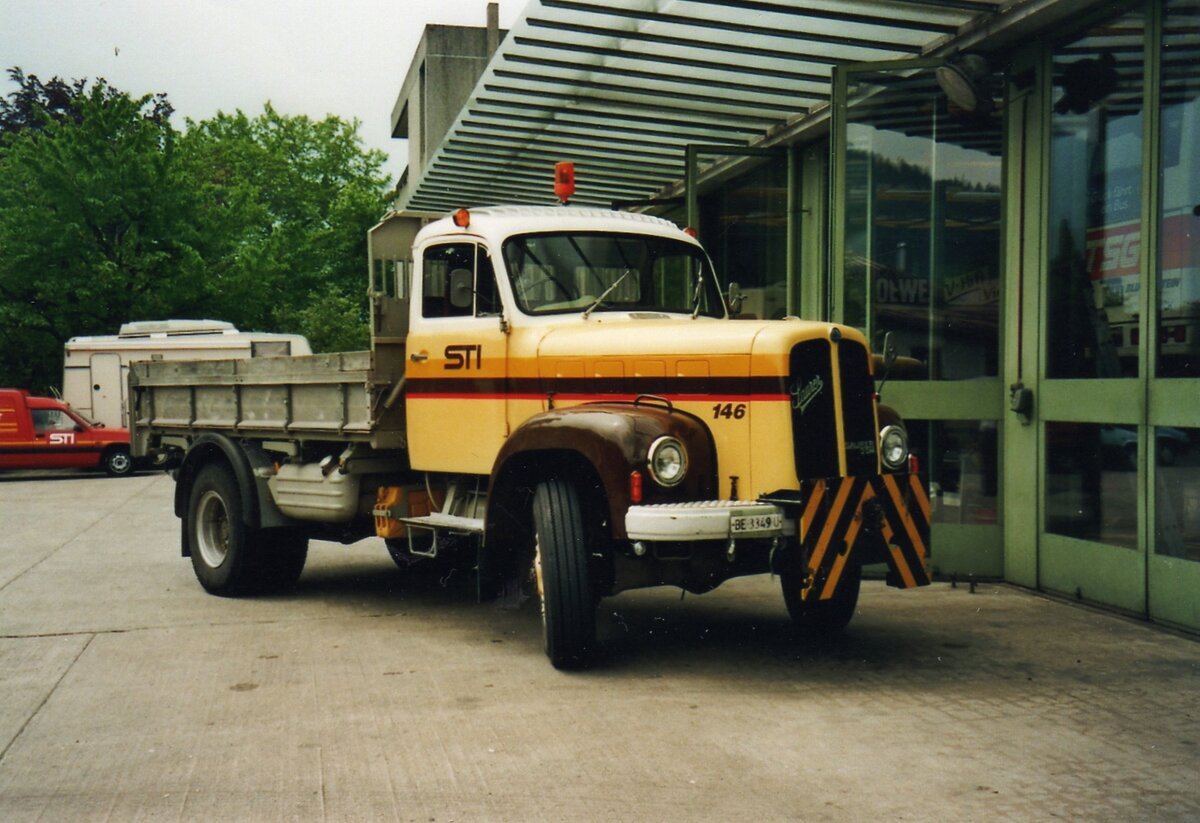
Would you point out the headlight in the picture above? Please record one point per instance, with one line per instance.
(893, 447)
(667, 461)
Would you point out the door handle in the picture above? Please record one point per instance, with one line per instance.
(419, 356)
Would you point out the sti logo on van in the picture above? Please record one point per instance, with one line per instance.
(62, 438)
(459, 357)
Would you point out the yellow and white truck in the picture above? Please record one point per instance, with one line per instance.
(557, 400)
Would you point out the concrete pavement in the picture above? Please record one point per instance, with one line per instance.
(371, 694)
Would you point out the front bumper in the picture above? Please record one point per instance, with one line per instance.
(706, 520)
(880, 518)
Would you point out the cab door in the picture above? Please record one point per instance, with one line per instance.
(456, 374)
(61, 442)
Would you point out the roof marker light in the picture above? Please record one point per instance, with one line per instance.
(462, 218)
(564, 181)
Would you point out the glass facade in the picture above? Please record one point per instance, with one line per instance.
(1177, 493)
(1178, 338)
(922, 225)
(744, 228)
(959, 463)
(1091, 482)
(1094, 223)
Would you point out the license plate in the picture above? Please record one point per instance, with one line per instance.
(747, 525)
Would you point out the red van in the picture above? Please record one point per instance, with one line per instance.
(44, 433)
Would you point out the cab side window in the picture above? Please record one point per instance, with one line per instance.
(458, 280)
(51, 420)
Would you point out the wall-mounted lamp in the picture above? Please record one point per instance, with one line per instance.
(963, 79)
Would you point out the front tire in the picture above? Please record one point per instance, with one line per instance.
(563, 575)
(822, 617)
(118, 462)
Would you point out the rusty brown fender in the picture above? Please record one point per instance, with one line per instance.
(613, 439)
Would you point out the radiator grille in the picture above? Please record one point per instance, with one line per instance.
(817, 447)
(858, 408)
(814, 423)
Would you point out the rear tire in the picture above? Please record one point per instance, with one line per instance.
(563, 575)
(229, 557)
(822, 617)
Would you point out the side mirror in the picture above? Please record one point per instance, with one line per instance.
(734, 299)
(462, 288)
(889, 352)
(887, 359)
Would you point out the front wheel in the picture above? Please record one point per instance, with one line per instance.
(563, 575)
(823, 617)
(118, 462)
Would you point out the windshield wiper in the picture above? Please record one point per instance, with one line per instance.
(606, 293)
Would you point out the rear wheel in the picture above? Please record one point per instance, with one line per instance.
(229, 557)
(563, 575)
(823, 617)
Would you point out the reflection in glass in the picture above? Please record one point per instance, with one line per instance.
(1091, 489)
(922, 247)
(1177, 493)
(958, 464)
(1095, 203)
(744, 229)
(1179, 232)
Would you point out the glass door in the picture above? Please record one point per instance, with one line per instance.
(1092, 392)
(916, 233)
(1174, 413)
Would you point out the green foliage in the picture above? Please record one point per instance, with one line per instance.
(94, 228)
(287, 202)
(35, 103)
(108, 214)
(331, 320)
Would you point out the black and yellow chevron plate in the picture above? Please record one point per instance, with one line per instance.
(860, 518)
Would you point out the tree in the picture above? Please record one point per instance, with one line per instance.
(95, 227)
(34, 103)
(287, 201)
(108, 214)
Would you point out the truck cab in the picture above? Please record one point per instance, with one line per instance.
(44, 433)
(585, 362)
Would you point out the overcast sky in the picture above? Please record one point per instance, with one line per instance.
(343, 57)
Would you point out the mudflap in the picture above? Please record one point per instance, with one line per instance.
(844, 520)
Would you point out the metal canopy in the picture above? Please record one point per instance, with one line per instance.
(621, 87)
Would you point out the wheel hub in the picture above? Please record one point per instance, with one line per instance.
(212, 529)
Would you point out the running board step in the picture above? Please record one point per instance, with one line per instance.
(446, 522)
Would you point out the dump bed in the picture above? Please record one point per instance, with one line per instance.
(323, 397)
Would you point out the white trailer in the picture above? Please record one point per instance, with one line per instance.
(95, 368)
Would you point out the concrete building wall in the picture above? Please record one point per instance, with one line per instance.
(445, 68)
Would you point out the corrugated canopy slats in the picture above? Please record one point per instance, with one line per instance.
(621, 87)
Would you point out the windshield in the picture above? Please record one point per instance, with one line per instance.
(566, 272)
